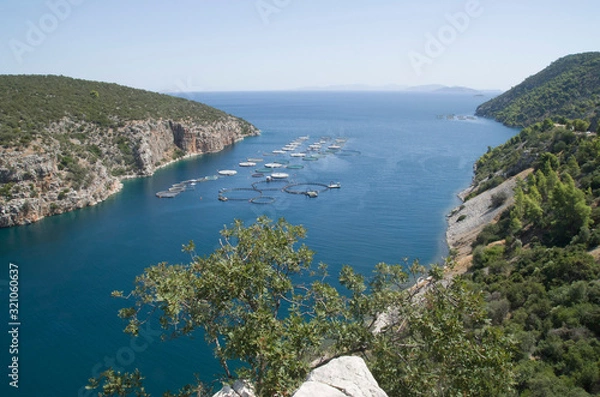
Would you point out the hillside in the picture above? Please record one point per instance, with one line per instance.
(529, 233)
(569, 87)
(67, 143)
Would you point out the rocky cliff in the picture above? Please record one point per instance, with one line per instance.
(73, 164)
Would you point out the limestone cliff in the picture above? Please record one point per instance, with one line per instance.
(74, 164)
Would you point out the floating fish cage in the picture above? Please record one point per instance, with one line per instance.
(294, 167)
(264, 200)
(272, 185)
(303, 188)
(238, 194)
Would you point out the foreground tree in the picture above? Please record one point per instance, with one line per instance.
(258, 301)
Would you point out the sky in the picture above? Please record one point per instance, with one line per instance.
(253, 45)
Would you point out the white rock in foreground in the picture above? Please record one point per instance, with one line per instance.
(342, 377)
(240, 389)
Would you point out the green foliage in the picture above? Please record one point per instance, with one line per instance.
(548, 299)
(6, 190)
(569, 88)
(28, 104)
(260, 304)
(499, 199)
(542, 287)
(245, 300)
(115, 384)
(449, 349)
(178, 153)
(553, 205)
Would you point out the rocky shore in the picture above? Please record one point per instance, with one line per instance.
(468, 220)
(75, 164)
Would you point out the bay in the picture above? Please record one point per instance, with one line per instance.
(400, 175)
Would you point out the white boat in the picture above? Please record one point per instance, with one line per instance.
(273, 165)
(247, 164)
(279, 175)
(334, 185)
(255, 159)
(298, 154)
(278, 152)
(334, 147)
(227, 172)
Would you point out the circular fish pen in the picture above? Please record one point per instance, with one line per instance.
(308, 186)
(263, 200)
(269, 186)
(239, 194)
(295, 167)
(263, 170)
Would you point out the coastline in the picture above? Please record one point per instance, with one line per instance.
(466, 221)
(104, 187)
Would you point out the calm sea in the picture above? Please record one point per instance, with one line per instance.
(400, 173)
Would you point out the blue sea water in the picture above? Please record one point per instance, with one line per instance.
(392, 205)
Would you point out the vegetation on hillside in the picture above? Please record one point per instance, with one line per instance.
(542, 285)
(29, 103)
(569, 87)
(574, 151)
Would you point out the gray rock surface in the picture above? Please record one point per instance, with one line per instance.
(37, 180)
(477, 213)
(341, 377)
(239, 389)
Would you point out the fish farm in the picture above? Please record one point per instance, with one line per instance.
(272, 179)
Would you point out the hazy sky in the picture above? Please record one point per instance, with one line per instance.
(194, 45)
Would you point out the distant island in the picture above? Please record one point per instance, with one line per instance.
(431, 88)
(67, 143)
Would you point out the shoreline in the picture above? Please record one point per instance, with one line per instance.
(466, 221)
(116, 186)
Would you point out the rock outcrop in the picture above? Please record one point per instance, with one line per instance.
(467, 221)
(75, 164)
(239, 389)
(341, 377)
